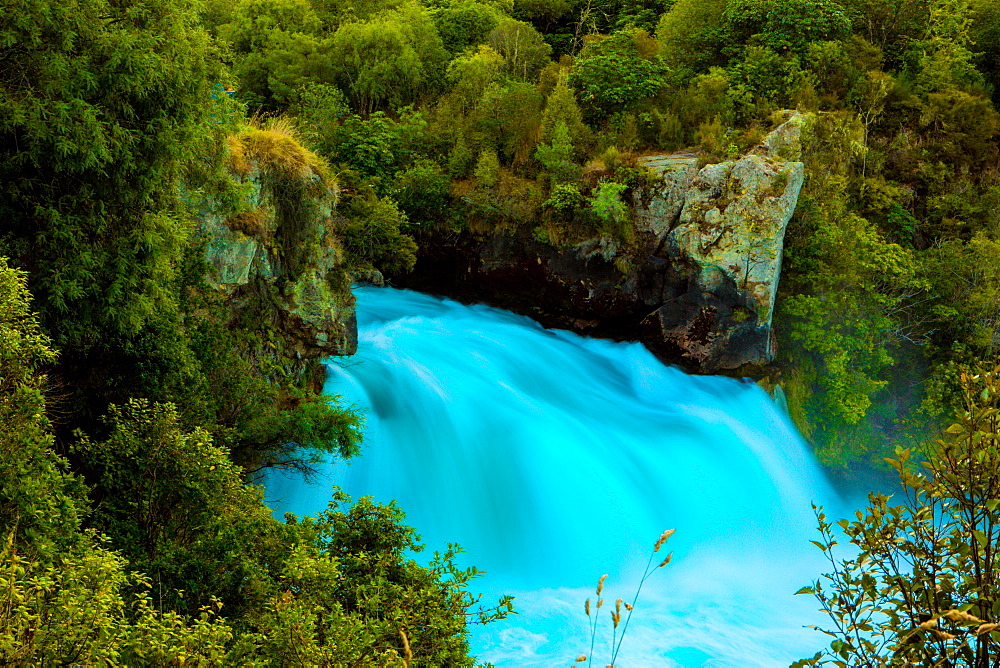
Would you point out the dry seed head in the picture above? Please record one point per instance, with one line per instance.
(663, 539)
(628, 606)
(616, 618)
(600, 584)
(586, 607)
(600, 602)
(666, 561)
(581, 658)
(618, 605)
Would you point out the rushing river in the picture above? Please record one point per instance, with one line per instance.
(553, 459)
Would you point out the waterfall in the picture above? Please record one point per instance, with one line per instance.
(553, 459)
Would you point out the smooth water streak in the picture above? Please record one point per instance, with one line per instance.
(553, 458)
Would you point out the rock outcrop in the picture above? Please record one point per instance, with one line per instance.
(726, 240)
(663, 210)
(278, 264)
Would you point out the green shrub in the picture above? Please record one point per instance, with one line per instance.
(423, 193)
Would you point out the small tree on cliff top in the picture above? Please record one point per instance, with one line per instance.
(924, 587)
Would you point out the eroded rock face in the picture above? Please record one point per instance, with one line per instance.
(727, 240)
(664, 208)
(308, 300)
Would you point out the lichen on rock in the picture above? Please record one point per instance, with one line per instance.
(735, 219)
(676, 174)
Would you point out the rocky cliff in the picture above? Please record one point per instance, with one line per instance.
(722, 228)
(276, 264)
(702, 286)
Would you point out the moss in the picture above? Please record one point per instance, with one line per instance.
(252, 223)
(797, 392)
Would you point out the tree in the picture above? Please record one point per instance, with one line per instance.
(984, 31)
(966, 293)
(255, 21)
(277, 46)
(612, 213)
(855, 297)
(333, 589)
(102, 104)
(945, 58)
(84, 608)
(522, 47)
(614, 72)
(507, 118)
(472, 72)
(318, 107)
(374, 234)
(849, 70)
(371, 145)
(786, 25)
(855, 313)
(270, 75)
(487, 168)
(688, 33)
(421, 610)
(465, 25)
(924, 588)
(64, 596)
(542, 12)
(99, 102)
(40, 502)
(891, 25)
(423, 193)
(175, 505)
(557, 157)
(608, 204)
(561, 107)
(960, 130)
(389, 61)
(762, 80)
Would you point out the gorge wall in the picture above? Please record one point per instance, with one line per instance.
(701, 289)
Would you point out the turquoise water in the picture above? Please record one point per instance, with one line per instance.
(553, 459)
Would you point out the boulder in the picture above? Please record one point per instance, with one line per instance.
(734, 219)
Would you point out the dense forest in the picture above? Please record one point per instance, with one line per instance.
(137, 402)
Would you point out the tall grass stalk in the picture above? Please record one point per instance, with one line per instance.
(616, 614)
